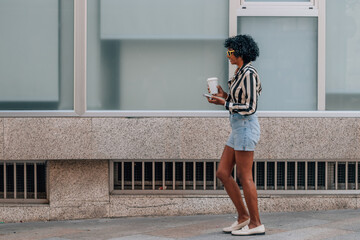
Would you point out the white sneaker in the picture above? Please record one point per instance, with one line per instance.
(245, 231)
(236, 226)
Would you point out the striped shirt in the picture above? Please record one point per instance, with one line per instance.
(244, 89)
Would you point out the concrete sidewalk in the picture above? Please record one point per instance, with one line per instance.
(336, 224)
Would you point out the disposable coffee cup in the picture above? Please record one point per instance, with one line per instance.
(212, 83)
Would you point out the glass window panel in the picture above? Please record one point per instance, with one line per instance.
(36, 54)
(155, 55)
(162, 19)
(342, 55)
(288, 60)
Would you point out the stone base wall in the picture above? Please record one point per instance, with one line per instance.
(78, 151)
(79, 189)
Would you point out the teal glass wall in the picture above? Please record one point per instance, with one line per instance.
(155, 54)
(36, 54)
(342, 55)
(288, 61)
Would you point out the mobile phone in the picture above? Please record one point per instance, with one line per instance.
(207, 95)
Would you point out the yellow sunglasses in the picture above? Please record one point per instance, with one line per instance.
(230, 52)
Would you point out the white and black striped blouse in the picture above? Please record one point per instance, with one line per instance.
(244, 89)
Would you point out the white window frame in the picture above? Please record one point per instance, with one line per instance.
(236, 8)
(279, 9)
(277, 3)
(80, 48)
(314, 8)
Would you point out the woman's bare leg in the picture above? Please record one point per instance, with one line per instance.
(225, 168)
(244, 164)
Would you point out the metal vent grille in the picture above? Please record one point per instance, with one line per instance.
(175, 176)
(23, 182)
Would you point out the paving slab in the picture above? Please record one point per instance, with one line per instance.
(141, 237)
(354, 236)
(329, 225)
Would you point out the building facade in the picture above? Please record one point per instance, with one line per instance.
(102, 113)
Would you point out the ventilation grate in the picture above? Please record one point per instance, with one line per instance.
(200, 176)
(23, 181)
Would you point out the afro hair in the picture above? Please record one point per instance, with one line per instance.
(244, 47)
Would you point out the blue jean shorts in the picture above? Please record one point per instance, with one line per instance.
(245, 132)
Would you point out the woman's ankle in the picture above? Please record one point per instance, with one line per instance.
(242, 218)
(254, 224)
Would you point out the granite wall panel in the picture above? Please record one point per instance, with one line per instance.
(24, 213)
(78, 189)
(47, 138)
(296, 203)
(173, 138)
(73, 183)
(86, 210)
(145, 205)
(203, 138)
(136, 138)
(309, 138)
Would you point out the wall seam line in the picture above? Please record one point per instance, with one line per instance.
(3, 150)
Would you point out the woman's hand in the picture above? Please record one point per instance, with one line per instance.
(221, 92)
(216, 100)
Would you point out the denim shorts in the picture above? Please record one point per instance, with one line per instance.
(245, 132)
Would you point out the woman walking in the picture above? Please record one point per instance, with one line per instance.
(241, 101)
